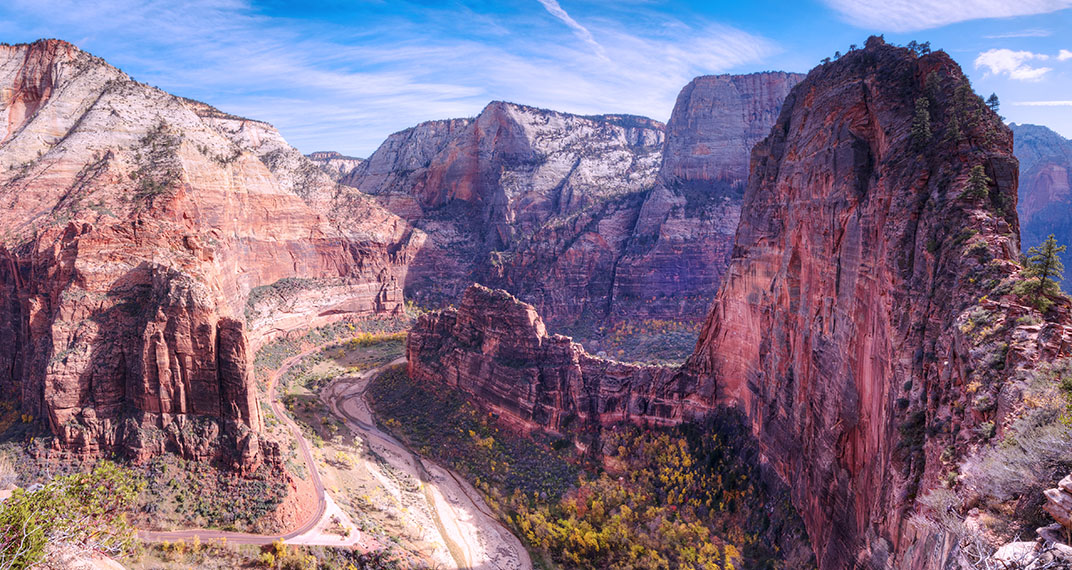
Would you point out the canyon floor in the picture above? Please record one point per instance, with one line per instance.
(375, 494)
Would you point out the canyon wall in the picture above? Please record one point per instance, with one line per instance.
(497, 349)
(588, 218)
(334, 164)
(136, 226)
(683, 237)
(869, 307)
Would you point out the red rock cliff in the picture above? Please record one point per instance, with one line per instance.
(845, 327)
(496, 348)
(136, 226)
(834, 329)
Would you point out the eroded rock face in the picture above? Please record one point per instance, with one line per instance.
(1045, 205)
(585, 217)
(835, 327)
(484, 189)
(335, 164)
(865, 320)
(497, 349)
(136, 225)
(1059, 502)
(683, 236)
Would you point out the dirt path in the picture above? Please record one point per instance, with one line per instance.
(474, 537)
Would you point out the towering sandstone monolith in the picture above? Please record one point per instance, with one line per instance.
(149, 243)
(858, 250)
(868, 326)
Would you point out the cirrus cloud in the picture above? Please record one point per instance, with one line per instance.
(915, 15)
(1044, 103)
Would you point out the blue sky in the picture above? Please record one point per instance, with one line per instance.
(342, 75)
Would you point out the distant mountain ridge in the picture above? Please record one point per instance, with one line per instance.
(587, 217)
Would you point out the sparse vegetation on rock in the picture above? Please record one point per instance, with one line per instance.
(83, 511)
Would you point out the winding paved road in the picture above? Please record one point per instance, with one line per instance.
(310, 464)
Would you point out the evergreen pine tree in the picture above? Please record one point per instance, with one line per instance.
(921, 124)
(993, 102)
(1044, 264)
(978, 183)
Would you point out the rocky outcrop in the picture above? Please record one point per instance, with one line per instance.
(585, 217)
(137, 224)
(334, 164)
(1045, 205)
(858, 254)
(1059, 502)
(496, 348)
(867, 326)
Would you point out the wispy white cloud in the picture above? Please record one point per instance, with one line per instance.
(337, 87)
(1038, 33)
(1064, 55)
(582, 32)
(1044, 103)
(914, 15)
(1012, 63)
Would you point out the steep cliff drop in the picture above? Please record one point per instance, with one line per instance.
(860, 246)
(149, 243)
(587, 218)
(869, 327)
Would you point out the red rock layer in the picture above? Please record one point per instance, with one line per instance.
(846, 283)
(497, 349)
(844, 330)
(136, 224)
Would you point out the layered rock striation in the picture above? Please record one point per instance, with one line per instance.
(585, 217)
(867, 318)
(497, 349)
(136, 226)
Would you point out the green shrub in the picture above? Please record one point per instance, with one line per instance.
(87, 510)
(1034, 449)
(159, 168)
(1044, 271)
(921, 124)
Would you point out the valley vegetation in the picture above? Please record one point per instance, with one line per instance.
(690, 497)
